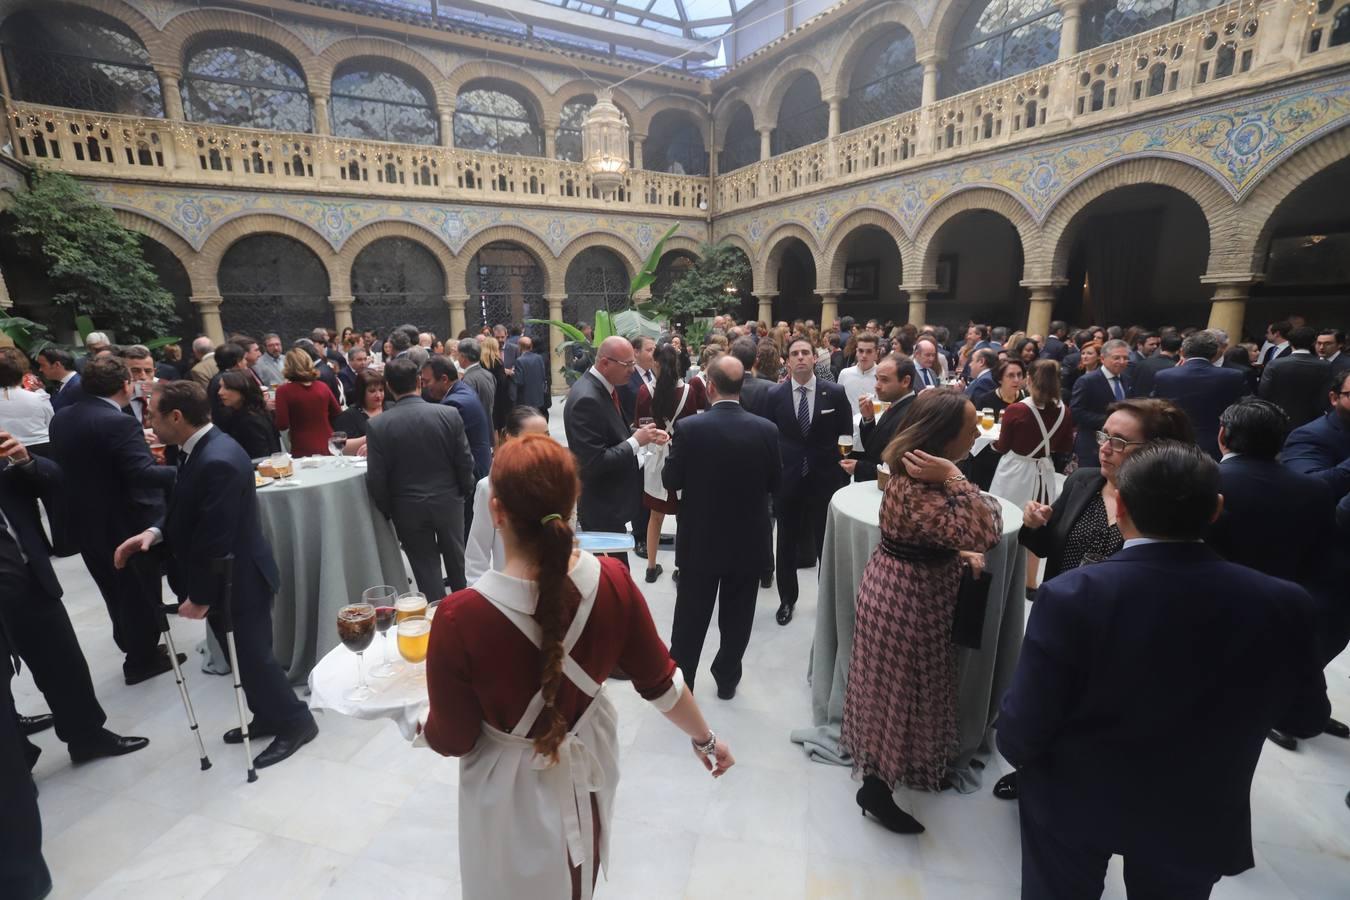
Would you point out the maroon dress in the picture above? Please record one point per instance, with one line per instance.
(697, 401)
(900, 704)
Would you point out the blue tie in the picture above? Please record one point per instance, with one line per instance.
(1116, 388)
(803, 419)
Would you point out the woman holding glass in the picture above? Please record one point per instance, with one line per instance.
(249, 422)
(515, 677)
(305, 406)
(367, 403)
(1009, 376)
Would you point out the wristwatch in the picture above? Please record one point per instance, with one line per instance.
(706, 747)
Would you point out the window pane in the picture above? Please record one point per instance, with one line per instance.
(1031, 46)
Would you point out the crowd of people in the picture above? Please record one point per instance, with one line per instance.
(1148, 465)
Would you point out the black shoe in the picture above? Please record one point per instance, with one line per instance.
(653, 573)
(170, 609)
(1031, 595)
(875, 798)
(285, 745)
(726, 693)
(784, 614)
(1006, 787)
(1336, 729)
(1280, 739)
(640, 549)
(255, 731)
(766, 580)
(106, 744)
(145, 671)
(34, 724)
(675, 576)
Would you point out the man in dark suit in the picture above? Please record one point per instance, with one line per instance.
(35, 619)
(1169, 348)
(112, 490)
(1055, 347)
(895, 380)
(643, 348)
(726, 464)
(1331, 347)
(531, 378)
(1140, 661)
(600, 439)
(212, 516)
(476, 377)
(1202, 389)
(1277, 343)
(811, 416)
(58, 366)
(1321, 448)
(757, 386)
(441, 384)
(1294, 383)
(1093, 393)
(420, 475)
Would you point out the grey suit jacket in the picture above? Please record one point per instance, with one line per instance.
(417, 453)
(484, 385)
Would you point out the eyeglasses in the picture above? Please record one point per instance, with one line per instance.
(1118, 444)
(626, 365)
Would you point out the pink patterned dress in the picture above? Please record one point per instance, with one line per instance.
(900, 705)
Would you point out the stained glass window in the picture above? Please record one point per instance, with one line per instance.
(803, 118)
(675, 145)
(380, 102)
(496, 122)
(886, 81)
(1107, 21)
(79, 60)
(998, 39)
(740, 147)
(248, 84)
(270, 282)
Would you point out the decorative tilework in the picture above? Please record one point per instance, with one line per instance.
(317, 37)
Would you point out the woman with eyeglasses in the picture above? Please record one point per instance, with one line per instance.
(1080, 528)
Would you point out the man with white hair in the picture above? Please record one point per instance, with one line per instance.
(205, 369)
(426, 339)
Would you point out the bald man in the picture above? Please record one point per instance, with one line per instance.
(598, 436)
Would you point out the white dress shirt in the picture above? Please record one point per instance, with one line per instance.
(810, 396)
(856, 382)
(25, 414)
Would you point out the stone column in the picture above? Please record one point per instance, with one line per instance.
(447, 130)
(1043, 296)
(931, 63)
(5, 301)
(321, 123)
(829, 308)
(918, 302)
(550, 139)
(458, 323)
(1228, 311)
(766, 299)
(208, 307)
(836, 109)
(555, 341)
(342, 312)
(173, 96)
(1072, 11)
(765, 142)
(638, 141)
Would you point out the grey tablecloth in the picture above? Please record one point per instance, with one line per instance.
(851, 533)
(330, 545)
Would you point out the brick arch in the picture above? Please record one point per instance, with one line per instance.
(972, 199)
(227, 235)
(1264, 200)
(145, 30)
(533, 89)
(697, 111)
(548, 263)
(765, 275)
(1217, 206)
(575, 88)
(191, 26)
(832, 278)
(942, 24)
(381, 48)
(684, 244)
(770, 99)
(363, 238)
(725, 108)
(863, 31)
(173, 242)
(621, 248)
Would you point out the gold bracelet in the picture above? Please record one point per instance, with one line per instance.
(954, 478)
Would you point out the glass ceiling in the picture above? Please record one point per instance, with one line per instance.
(697, 19)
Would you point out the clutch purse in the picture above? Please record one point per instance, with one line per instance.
(972, 601)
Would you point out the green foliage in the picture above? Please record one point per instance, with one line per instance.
(702, 289)
(645, 278)
(576, 346)
(95, 265)
(29, 336)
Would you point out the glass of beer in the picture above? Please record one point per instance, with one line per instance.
(845, 445)
(409, 605)
(382, 597)
(356, 629)
(986, 418)
(414, 635)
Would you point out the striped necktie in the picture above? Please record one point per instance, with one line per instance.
(803, 419)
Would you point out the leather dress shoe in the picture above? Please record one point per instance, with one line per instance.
(33, 724)
(145, 671)
(726, 693)
(1336, 728)
(285, 745)
(766, 580)
(640, 549)
(255, 731)
(106, 744)
(1006, 787)
(653, 573)
(1280, 739)
(784, 614)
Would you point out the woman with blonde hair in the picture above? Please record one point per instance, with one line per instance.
(305, 406)
(491, 359)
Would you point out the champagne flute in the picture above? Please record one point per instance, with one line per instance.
(414, 637)
(356, 629)
(382, 597)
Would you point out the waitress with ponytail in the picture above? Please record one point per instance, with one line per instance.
(514, 678)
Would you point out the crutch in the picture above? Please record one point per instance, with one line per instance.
(225, 568)
(182, 687)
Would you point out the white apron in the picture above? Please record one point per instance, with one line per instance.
(1020, 479)
(520, 817)
(656, 458)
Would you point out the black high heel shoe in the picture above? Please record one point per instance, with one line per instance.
(1006, 787)
(875, 797)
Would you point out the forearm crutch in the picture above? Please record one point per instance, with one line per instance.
(182, 686)
(225, 570)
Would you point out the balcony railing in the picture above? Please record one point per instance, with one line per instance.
(1205, 55)
(125, 147)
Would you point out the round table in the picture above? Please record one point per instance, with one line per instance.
(852, 532)
(987, 436)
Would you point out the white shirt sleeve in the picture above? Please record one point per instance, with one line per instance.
(482, 534)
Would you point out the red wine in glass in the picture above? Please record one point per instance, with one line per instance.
(384, 617)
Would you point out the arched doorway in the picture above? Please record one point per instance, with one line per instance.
(803, 118)
(506, 287)
(396, 280)
(796, 281)
(671, 267)
(174, 279)
(596, 279)
(675, 145)
(270, 282)
(740, 145)
(978, 257)
(869, 264)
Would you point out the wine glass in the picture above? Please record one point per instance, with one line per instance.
(336, 442)
(382, 597)
(414, 636)
(356, 629)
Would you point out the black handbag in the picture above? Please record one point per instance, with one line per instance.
(972, 602)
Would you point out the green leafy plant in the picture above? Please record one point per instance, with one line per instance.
(710, 286)
(27, 335)
(95, 265)
(85, 327)
(647, 276)
(577, 352)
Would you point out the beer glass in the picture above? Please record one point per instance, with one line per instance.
(382, 597)
(414, 635)
(356, 629)
(845, 445)
(409, 605)
(986, 418)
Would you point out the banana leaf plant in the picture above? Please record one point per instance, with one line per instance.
(28, 336)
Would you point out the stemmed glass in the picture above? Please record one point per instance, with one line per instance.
(382, 597)
(414, 636)
(336, 442)
(356, 629)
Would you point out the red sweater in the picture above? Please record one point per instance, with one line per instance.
(1020, 433)
(480, 667)
(307, 410)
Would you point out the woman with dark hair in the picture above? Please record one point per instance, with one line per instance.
(249, 422)
(367, 399)
(1239, 359)
(900, 704)
(515, 675)
(1008, 375)
(1027, 350)
(305, 406)
(671, 400)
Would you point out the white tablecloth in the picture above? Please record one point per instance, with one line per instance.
(402, 698)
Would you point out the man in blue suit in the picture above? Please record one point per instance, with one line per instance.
(1093, 393)
(441, 384)
(1322, 447)
(531, 377)
(1202, 389)
(1164, 652)
(58, 366)
(811, 416)
(212, 515)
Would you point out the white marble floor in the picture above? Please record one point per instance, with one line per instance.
(358, 813)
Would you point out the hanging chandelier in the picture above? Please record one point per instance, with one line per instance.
(604, 144)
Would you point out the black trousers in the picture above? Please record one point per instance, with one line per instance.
(269, 695)
(23, 872)
(432, 533)
(130, 595)
(801, 515)
(1054, 868)
(695, 595)
(41, 634)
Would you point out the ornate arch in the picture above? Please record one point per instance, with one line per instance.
(972, 199)
(1276, 186)
(942, 24)
(363, 238)
(780, 79)
(173, 242)
(120, 10)
(832, 278)
(191, 26)
(620, 247)
(684, 244)
(528, 240)
(863, 31)
(227, 235)
(554, 103)
(766, 274)
(533, 89)
(382, 48)
(725, 109)
(697, 111)
(1217, 206)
